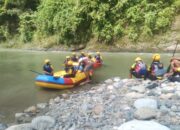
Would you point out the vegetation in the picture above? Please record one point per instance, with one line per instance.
(77, 21)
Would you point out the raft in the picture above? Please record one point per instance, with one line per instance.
(97, 65)
(58, 82)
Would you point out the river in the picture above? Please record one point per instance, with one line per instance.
(18, 90)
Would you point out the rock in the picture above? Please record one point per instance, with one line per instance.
(142, 125)
(43, 123)
(32, 109)
(118, 84)
(41, 105)
(3, 126)
(98, 109)
(51, 102)
(146, 102)
(116, 79)
(65, 96)
(166, 96)
(145, 113)
(134, 95)
(139, 89)
(110, 87)
(175, 127)
(164, 109)
(57, 100)
(21, 127)
(19, 117)
(108, 81)
(168, 90)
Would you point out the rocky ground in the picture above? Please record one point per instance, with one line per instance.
(115, 104)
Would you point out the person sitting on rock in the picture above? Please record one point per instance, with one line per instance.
(138, 69)
(174, 70)
(156, 70)
(74, 57)
(47, 68)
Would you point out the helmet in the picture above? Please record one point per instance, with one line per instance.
(46, 61)
(178, 69)
(98, 52)
(138, 59)
(67, 57)
(156, 57)
(82, 52)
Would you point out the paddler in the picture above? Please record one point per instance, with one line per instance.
(74, 57)
(98, 57)
(47, 67)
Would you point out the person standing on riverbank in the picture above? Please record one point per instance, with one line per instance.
(138, 69)
(47, 68)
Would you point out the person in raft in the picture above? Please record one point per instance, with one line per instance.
(138, 69)
(74, 57)
(174, 70)
(47, 68)
(156, 70)
(98, 57)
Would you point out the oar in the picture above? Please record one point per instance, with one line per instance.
(169, 67)
(36, 72)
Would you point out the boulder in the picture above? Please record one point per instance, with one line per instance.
(145, 113)
(146, 102)
(43, 123)
(142, 125)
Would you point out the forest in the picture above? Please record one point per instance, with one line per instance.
(78, 21)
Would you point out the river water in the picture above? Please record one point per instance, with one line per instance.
(17, 89)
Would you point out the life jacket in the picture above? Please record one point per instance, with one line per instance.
(176, 72)
(157, 69)
(47, 68)
(141, 68)
(74, 58)
(98, 58)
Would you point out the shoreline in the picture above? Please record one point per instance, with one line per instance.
(107, 105)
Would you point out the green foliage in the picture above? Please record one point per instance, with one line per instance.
(27, 26)
(76, 21)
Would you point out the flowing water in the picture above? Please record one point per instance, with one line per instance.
(17, 89)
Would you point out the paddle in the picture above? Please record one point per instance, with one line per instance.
(156, 84)
(169, 67)
(36, 72)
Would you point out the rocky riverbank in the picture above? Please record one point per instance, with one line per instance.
(115, 104)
